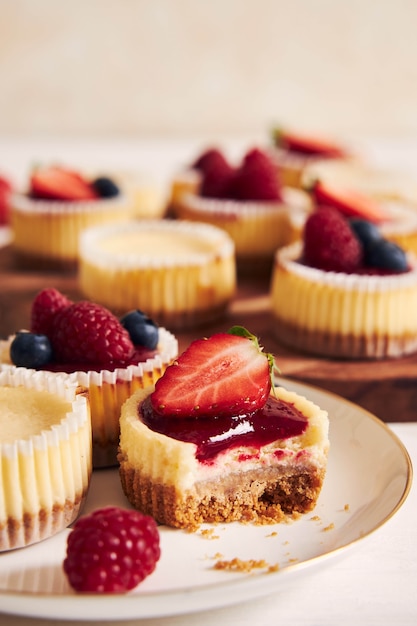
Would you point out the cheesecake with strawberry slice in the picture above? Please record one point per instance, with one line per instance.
(295, 152)
(59, 203)
(215, 441)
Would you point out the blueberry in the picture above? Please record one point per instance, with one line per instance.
(105, 187)
(30, 350)
(142, 330)
(386, 255)
(366, 231)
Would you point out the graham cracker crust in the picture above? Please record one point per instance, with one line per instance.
(261, 496)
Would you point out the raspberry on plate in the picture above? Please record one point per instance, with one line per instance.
(330, 243)
(111, 550)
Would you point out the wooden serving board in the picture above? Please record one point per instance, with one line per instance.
(387, 388)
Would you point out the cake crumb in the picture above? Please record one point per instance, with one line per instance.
(315, 518)
(239, 565)
(329, 527)
(346, 507)
(208, 533)
(273, 534)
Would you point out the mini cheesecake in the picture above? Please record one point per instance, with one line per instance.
(182, 273)
(45, 454)
(262, 465)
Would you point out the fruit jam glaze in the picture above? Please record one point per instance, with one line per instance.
(275, 420)
(140, 355)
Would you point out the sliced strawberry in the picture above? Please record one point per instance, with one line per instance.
(348, 201)
(305, 144)
(57, 183)
(226, 374)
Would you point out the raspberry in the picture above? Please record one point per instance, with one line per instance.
(89, 333)
(216, 173)
(210, 157)
(44, 308)
(111, 550)
(256, 178)
(330, 243)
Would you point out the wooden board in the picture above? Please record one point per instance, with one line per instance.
(386, 388)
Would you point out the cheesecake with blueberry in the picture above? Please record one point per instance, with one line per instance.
(112, 357)
(345, 290)
(215, 441)
(48, 216)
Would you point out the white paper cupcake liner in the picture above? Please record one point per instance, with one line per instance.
(44, 476)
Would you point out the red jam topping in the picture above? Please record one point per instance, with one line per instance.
(276, 420)
(140, 355)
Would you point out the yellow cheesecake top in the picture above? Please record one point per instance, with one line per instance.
(27, 412)
(156, 244)
(165, 242)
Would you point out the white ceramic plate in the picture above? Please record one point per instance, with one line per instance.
(369, 476)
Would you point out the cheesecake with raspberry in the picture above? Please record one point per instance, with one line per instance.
(345, 291)
(247, 200)
(111, 357)
(215, 441)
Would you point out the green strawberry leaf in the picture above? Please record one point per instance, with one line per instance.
(243, 332)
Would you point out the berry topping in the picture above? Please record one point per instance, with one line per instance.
(142, 330)
(329, 242)
(5, 191)
(348, 201)
(217, 175)
(304, 144)
(105, 187)
(57, 183)
(256, 178)
(111, 550)
(89, 333)
(366, 231)
(209, 158)
(44, 308)
(226, 374)
(386, 255)
(30, 350)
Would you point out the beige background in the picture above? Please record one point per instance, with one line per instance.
(173, 68)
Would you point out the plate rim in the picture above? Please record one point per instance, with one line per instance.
(256, 584)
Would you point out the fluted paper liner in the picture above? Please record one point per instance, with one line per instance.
(45, 476)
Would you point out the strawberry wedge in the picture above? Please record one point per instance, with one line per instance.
(305, 144)
(56, 183)
(349, 202)
(226, 374)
